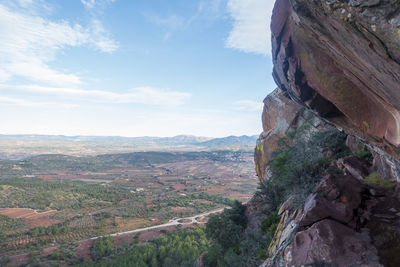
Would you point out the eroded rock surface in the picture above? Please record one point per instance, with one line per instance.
(329, 243)
(346, 222)
(280, 116)
(342, 59)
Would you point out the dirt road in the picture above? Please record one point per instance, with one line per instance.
(183, 221)
(177, 221)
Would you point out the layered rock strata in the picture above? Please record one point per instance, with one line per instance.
(342, 59)
(346, 222)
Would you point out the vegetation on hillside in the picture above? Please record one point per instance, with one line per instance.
(102, 247)
(181, 248)
(300, 161)
(62, 199)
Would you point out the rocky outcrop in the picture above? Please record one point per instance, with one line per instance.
(337, 62)
(342, 59)
(331, 243)
(347, 222)
(281, 116)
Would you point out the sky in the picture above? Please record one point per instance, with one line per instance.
(134, 68)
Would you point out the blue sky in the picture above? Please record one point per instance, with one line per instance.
(134, 68)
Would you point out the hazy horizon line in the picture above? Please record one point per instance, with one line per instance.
(122, 136)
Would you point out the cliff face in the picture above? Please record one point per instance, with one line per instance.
(342, 59)
(337, 63)
(281, 115)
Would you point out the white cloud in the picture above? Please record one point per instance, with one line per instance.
(248, 105)
(88, 3)
(25, 103)
(140, 95)
(4, 75)
(38, 71)
(96, 3)
(251, 28)
(28, 43)
(102, 41)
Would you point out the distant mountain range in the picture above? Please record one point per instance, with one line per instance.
(21, 146)
(243, 140)
(176, 140)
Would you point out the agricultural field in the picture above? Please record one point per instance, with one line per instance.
(49, 200)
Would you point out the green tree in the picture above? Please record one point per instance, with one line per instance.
(102, 247)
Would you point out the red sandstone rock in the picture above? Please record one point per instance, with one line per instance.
(343, 188)
(337, 197)
(342, 60)
(354, 166)
(329, 243)
(280, 115)
(318, 208)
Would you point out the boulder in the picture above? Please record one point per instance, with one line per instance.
(354, 166)
(329, 243)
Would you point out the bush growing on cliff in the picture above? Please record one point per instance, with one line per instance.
(332, 141)
(270, 223)
(299, 163)
(365, 155)
(376, 180)
(301, 160)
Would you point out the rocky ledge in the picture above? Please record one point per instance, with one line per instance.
(349, 221)
(342, 60)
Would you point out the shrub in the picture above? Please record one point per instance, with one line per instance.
(269, 224)
(376, 180)
(365, 155)
(332, 140)
(62, 254)
(226, 228)
(299, 163)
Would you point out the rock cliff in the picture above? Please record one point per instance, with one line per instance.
(342, 59)
(337, 64)
(280, 116)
